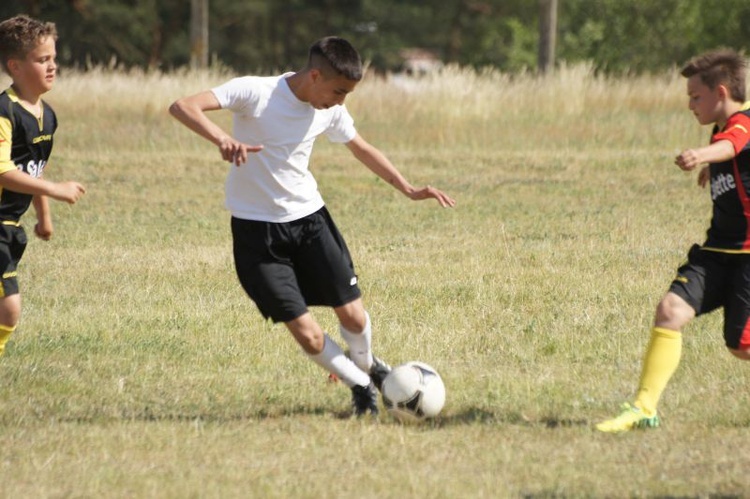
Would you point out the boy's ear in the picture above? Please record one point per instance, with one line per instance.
(12, 66)
(723, 91)
(315, 75)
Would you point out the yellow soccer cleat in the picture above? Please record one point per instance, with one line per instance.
(630, 418)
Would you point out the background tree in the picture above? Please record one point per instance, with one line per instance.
(547, 34)
(199, 34)
(266, 36)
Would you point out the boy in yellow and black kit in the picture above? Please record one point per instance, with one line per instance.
(27, 126)
(717, 273)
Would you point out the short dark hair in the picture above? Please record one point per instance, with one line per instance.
(334, 56)
(20, 35)
(719, 67)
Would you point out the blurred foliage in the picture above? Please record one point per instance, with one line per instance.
(264, 35)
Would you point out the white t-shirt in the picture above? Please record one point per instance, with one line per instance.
(275, 184)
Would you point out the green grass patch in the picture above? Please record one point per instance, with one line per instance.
(140, 368)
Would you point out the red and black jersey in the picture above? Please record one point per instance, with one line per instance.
(730, 189)
(25, 144)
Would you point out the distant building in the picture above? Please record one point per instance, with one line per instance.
(417, 61)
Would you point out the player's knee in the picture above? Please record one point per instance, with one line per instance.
(352, 317)
(673, 312)
(740, 354)
(10, 312)
(353, 324)
(307, 333)
(665, 314)
(311, 340)
(311, 345)
(13, 317)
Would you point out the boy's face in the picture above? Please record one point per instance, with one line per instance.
(328, 92)
(705, 103)
(36, 72)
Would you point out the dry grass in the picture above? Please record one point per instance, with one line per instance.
(141, 370)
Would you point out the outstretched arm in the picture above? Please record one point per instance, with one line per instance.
(191, 112)
(18, 181)
(376, 161)
(721, 150)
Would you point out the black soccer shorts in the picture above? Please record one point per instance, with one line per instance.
(286, 267)
(12, 245)
(710, 280)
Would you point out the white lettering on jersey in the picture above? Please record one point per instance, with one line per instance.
(722, 184)
(33, 168)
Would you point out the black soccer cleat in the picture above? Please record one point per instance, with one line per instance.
(364, 399)
(378, 371)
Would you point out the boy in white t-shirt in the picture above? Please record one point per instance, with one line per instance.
(288, 252)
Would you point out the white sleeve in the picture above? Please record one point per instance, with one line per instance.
(237, 95)
(342, 128)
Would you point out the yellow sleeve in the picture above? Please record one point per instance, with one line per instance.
(6, 142)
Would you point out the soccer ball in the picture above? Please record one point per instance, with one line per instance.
(413, 391)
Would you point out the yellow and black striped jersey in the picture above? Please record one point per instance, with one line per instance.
(25, 144)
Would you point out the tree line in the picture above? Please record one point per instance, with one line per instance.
(262, 36)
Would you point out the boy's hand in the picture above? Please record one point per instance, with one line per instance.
(430, 192)
(704, 175)
(235, 151)
(70, 192)
(43, 230)
(687, 160)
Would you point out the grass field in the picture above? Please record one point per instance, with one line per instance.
(140, 369)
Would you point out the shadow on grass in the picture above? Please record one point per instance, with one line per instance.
(485, 416)
(470, 416)
(257, 415)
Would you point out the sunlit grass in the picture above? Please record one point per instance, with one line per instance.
(141, 369)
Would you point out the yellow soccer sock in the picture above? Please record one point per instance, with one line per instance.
(5, 332)
(659, 364)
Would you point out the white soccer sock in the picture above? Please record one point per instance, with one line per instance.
(360, 345)
(333, 360)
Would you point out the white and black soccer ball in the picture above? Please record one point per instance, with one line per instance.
(413, 391)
